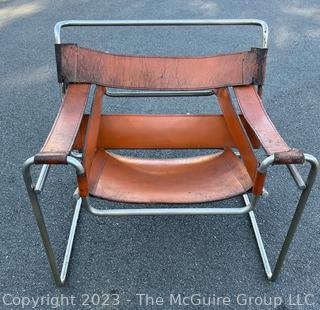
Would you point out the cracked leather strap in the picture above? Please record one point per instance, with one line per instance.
(82, 65)
(255, 114)
(65, 128)
(293, 156)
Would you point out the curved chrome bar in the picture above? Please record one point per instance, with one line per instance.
(172, 211)
(76, 154)
(267, 162)
(249, 206)
(76, 164)
(26, 165)
(311, 159)
(168, 22)
(59, 278)
(70, 160)
(307, 186)
(45, 171)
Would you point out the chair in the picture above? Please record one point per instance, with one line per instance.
(86, 141)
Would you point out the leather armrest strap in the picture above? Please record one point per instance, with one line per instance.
(65, 128)
(292, 156)
(255, 114)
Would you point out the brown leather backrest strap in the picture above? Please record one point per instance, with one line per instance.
(237, 131)
(254, 112)
(65, 128)
(82, 65)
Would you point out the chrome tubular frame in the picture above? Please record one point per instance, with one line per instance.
(168, 22)
(161, 93)
(75, 161)
(248, 208)
(33, 192)
(306, 189)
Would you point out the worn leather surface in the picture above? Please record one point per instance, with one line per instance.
(82, 65)
(293, 156)
(237, 131)
(259, 183)
(254, 112)
(92, 130)
(183, 180)
(83, 185)
(114, 177)
(65, 128)
(144, 131)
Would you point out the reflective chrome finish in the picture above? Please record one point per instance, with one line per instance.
(68, 251)
(296, 176)
(168, 22)
(34, 190)
(295, 220)
(266, 163)
(163, 93)
(59, 278)
(260, 244)
(249, 206)
(42, 178)
(171, 211)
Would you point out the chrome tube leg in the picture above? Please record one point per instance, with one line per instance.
(72, 233)
(297, 216)
(296, 176)
(59, 279)
(42, 179)
(293, 225)
(262, 250)
(259, 240)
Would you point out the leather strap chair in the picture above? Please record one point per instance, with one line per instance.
(221, 175)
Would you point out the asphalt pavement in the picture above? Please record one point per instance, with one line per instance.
(212, 256)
